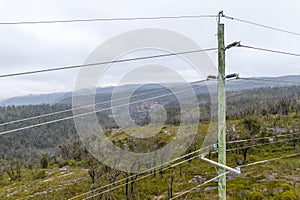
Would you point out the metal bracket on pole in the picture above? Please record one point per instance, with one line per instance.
(234, 75)
(237, 170)
(234, 44)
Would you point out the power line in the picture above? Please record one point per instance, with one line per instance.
(109, 108)
(194, 188)
(105, 62)
(89, 113)
(269, 50)
(100, 103)
(269, 160)
(79, 115)
(254, 139)
(109, 19)
(140, 58)
(90, 105)
(242, 166)
(256, 145)
(148, 170)
(262, 25)
(183, 162)
(108, 190)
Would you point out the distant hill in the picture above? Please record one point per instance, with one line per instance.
(27, 144)
(234, 85)
(33, 99)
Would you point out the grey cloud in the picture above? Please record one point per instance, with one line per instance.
(43, 46)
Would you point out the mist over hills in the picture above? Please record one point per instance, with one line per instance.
(233, 85)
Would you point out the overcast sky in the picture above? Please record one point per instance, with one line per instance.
(32, 47)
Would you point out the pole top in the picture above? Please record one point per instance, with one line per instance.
(220, 14)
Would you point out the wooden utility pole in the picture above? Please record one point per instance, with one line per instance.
(221, 110)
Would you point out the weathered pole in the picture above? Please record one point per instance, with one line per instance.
(221, 111)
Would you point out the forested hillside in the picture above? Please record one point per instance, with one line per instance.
(50, 162)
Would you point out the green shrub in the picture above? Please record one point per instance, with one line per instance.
(44, 161)
(72, 163)
(286, 187)
(251, 158)
(1, 178)
(63, 163)
(255, 196)
(40, 174)
(288, 195)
